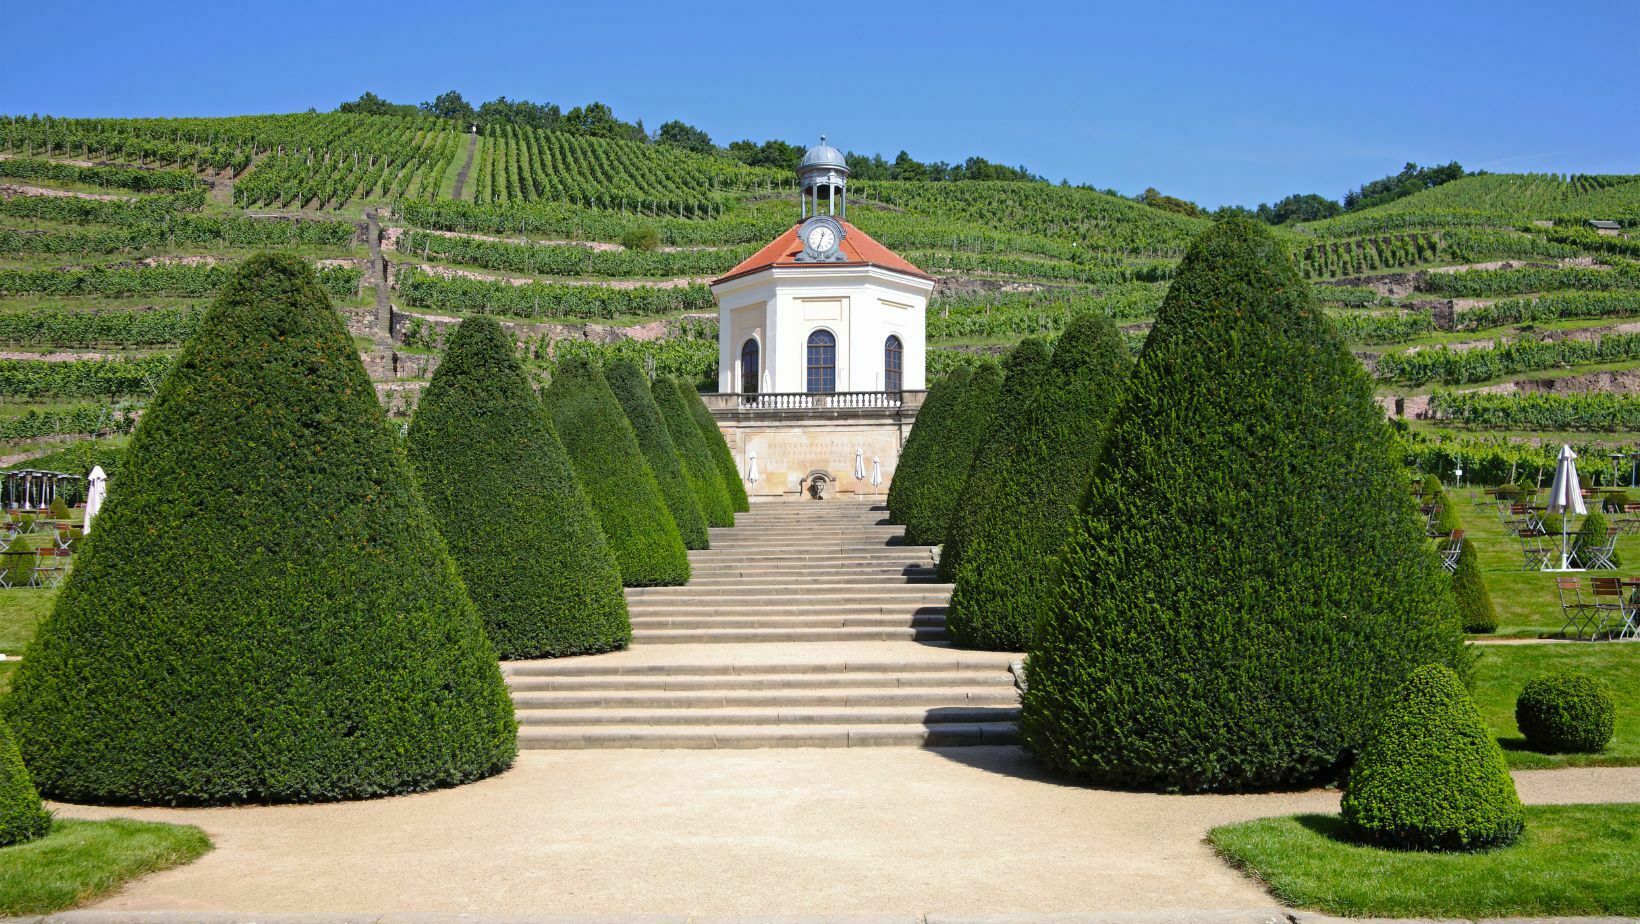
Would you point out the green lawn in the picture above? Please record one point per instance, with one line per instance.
(1572, 860)
(1504, 669)
(80, 861)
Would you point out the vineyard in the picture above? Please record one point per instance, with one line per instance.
(114, 233)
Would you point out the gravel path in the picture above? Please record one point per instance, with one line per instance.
(890, 830)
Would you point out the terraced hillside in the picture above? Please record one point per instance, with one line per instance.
(1485, 305)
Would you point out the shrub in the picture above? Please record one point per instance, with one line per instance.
(641, 237)
(1592, 534)
(1474, 602)
(22, 816)
(930, 494)
(265, 611)
(504, 496)
(1431, 777)
(938, 406)
(1615, 501)
(1566, 713)
(1208, 629)
(717, 446)
(59, 509)
(605, 452)
(1021, 497)
(631, 388)
(697, 458)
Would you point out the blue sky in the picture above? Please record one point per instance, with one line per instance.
(1217, 102)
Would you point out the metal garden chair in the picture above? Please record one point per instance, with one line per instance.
(1534, 555)
(1577, 612)
(1451, 549)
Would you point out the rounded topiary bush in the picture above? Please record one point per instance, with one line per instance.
(701, 472)
(1027, 481)
(717, 446)
(631, 388)
(22, 816)
(931, 491)
(1566, 713)
(1219, 619)
(1475, 607)
(1430, 776)
(592, 426)
(265, 611)
(1591, 534)
(59, 509)
(506, 499)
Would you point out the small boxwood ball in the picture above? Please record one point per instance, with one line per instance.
(1566, 713)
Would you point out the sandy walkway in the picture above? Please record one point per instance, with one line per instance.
(891, 830)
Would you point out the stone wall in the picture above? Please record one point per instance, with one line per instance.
(794, 444)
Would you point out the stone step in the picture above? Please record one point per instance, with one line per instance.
(707, 609)
(721, 574)
(836, 592)
(772, 715)
(820, 600)
(890, 579)
(805, 529)
(807, 621)
(770, 736)
(722, 636)
(810, 550)
(995, 676)
(599, 667)
(803, 561)
(943, 697)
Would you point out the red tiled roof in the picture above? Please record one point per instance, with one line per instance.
(857, 246)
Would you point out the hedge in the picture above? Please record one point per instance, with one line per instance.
(81, 378)
(62, 326)
(1220, 620)
(692, 449)
(502, 491)
(23, 817)
(610, 463)
(717, 445)
(929, 498)
(265, 612)
(631, 388)
(938, 407)
(1431, 777)
(1022, 497)
(1475, 607)
(1566, 713)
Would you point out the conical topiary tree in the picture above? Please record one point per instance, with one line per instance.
(717, 446)
(265, 611)
(1247, 579)
(631, 388)
(506, 499)
(605, 452)
(1019, 503)
(1591, 534)
(1431, 777)
(938, 406)
(1475, 607)
(697, 459)
(928, 499)
(22, 816)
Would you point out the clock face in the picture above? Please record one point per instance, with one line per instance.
(821, 239)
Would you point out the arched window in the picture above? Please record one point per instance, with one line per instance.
(822, 368)
(749, 367)
(893, 364)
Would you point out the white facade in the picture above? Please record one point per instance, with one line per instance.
(861, 306)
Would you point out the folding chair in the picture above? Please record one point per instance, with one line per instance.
(1534, 556)
(1610, 616)
(50, 567)
(1578, 613)
(1450, 551)
(1599, 557)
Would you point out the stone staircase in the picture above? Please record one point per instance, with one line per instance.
(805, 625)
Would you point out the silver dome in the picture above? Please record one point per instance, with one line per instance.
(823, 155)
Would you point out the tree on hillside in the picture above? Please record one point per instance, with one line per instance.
(450, 105)
(370, 104)
(506, 500)
(686, 136)
(696, 455)
(1156, 200)
(1027, 482)
(1220, 621)
(631, 388)
(598, 120)
(521, 112)
(1411, 179)
(605, 452)
(1306, 207)
(265, 612)
(717, 446)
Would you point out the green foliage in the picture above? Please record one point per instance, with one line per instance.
(701, 471)
(717, 445)
(65, 327)
(80, 419)
(1431, 777)
(1458, 367)
(80, 862)
(997, 314)
(641, 237)
(1028, 478)
(569, 259)
(1591, 534)
(928, 493)
(193, 281)
(1486, 283)
(1474, 602)
(610, 463)
(548, 300)
(506, 500)
(1600, 411)
(265, 611)
(1566, 713)
(1210, 630)
(81, 378)
(631, 388)
(939, 407)
(21, 168)
(22, 816)
(1385, 327)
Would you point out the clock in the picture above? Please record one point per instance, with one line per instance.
(820, 237)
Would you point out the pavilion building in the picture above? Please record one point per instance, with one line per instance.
(822, 349)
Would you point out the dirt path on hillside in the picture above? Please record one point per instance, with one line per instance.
(11, 190)
(466, 168)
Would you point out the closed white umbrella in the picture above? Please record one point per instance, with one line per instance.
(1566, 496)
(876, 472)
(94, 494)
(751, 468)
(859, 465)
